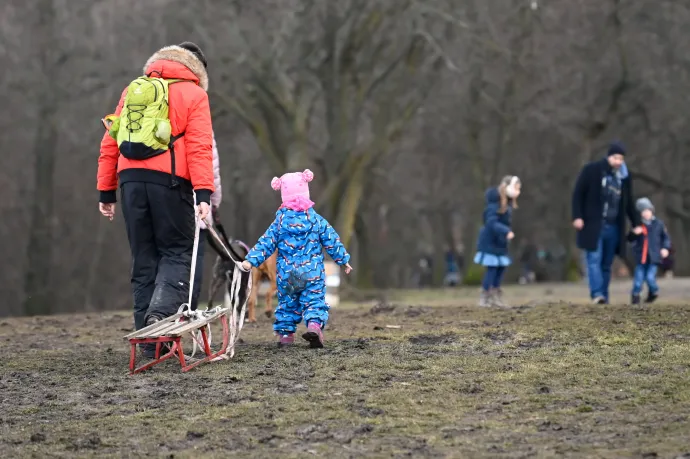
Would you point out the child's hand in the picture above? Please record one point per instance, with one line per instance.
(246, 265)
(348, 268)
(664, 253)
(510, 236)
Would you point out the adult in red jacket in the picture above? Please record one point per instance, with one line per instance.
(156, 193)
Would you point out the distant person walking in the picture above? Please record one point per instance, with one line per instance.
(601, 200)
(158, 150)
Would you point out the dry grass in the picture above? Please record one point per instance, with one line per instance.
(539, 380)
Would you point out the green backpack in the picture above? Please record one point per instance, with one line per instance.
(143, 128)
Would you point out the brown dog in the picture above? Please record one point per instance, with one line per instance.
(267, 269)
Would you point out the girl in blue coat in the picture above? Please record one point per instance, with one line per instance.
(299, 234)
(492, 247)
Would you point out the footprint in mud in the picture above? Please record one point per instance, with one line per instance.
(446, 338)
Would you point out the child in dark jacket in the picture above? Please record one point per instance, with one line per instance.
(650, 249)
(492, 247)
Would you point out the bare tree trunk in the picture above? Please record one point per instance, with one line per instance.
(37, 288)
(364, 272)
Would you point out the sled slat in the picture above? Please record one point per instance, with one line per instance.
(194, 325)
(146, 330)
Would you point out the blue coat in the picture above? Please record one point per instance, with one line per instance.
(492, 236)
(299, 237)
(657, 239)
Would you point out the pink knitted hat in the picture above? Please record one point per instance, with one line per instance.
(294, 189)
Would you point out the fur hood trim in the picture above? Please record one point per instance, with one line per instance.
(181, 56)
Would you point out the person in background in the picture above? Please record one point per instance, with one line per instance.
(650, 249)
(601, 200)
(216, 199)
(452, 277)
(528, 259)
(492, 247)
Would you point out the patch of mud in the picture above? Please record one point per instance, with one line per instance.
(453, 432)
(92, 442)
(382, 308)
(424, 339)
(316, 433)
(416, 311)
(500, 337)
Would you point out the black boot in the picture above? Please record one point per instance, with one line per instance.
(635, 299)
(651, 297)
(148, 350)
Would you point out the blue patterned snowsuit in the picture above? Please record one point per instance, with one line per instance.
(301, 277)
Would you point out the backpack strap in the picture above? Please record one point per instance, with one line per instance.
(171, 146)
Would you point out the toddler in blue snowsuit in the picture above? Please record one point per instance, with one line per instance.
(299, 234)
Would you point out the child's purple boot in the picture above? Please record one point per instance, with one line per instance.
(286, 339)
(314, 335)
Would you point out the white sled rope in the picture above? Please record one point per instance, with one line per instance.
(231, 298)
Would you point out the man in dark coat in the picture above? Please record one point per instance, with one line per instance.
(601, 200)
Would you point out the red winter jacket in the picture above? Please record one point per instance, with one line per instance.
(189, 113)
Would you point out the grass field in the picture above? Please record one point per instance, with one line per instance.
(547, 378)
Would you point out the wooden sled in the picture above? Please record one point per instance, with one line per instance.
(171, 330)
(167, 333)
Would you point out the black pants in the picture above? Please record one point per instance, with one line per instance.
(160, 228)
(199, 272)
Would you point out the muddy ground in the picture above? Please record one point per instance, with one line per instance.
(546, 378)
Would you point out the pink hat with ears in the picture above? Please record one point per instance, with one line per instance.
(294, 189)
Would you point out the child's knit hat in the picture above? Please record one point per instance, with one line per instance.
(644, 204)
(294, 189)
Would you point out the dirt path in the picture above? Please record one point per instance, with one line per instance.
(540, 380)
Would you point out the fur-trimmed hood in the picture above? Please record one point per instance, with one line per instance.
(180, 56)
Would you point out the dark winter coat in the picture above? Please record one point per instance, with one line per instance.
(657, 239)
(588, 204)
(492, 236)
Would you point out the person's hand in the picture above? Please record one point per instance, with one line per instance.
(578, 224)
(203, 210)
(510, 236)
(214, 214)
(348, 268)
(107, 209)
(246, 265)
(637, 230)
(664, 253)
